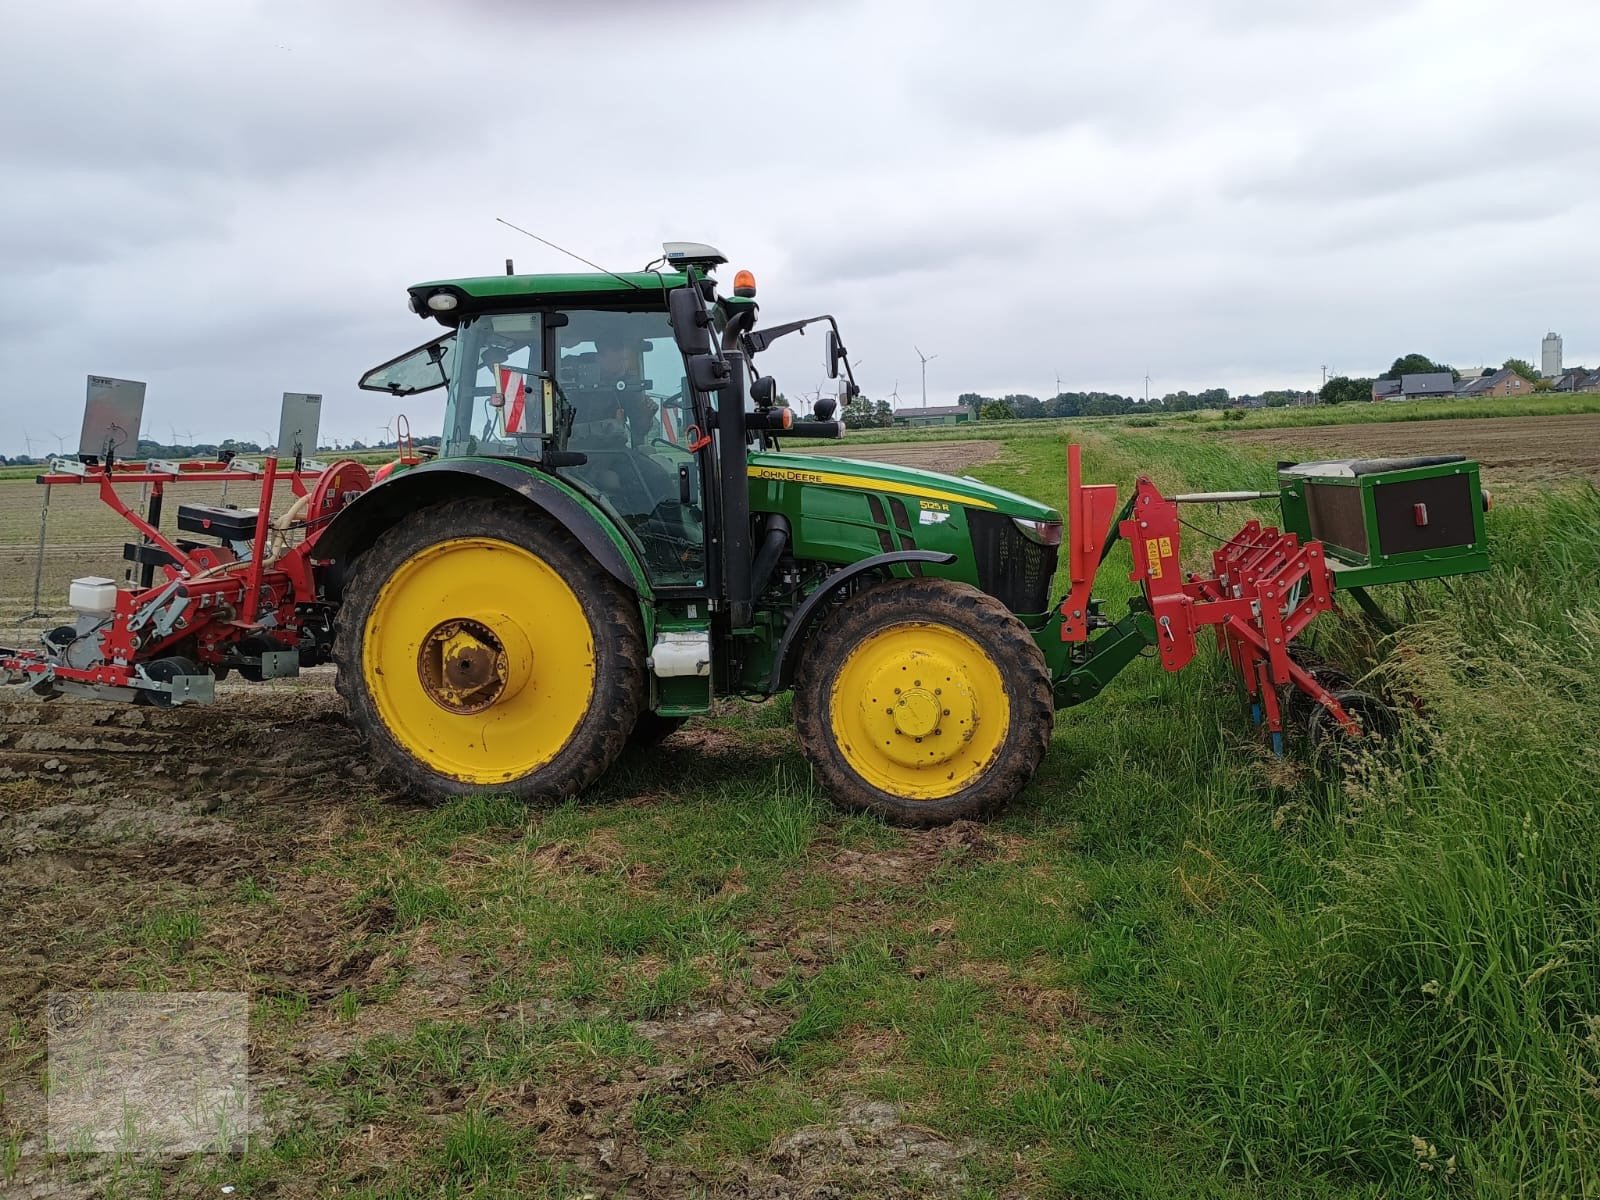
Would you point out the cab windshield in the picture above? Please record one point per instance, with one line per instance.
(606, 388)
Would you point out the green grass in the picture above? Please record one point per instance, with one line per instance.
(1217, 420)
(1175, 969)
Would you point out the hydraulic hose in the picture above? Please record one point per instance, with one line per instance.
(772, 545)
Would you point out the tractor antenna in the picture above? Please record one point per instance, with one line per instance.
(570, 254)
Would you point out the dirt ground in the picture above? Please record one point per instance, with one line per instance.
(115, 817)
(1513, 450)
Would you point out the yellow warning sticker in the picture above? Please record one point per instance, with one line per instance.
(1166, 547)
(1152, 556)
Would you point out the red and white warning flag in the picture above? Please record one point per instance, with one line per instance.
(513, 395)
(668, 427)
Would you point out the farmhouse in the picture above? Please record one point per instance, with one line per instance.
(1504, 382)
(1415, 387)
(1577, 379)
(934, 414)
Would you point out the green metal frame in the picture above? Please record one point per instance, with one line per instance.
(1354, 569)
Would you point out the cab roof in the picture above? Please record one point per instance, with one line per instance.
(487, 293)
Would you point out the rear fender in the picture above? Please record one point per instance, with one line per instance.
(359, 524)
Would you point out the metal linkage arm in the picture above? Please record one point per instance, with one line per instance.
(1089, 512)
(1266, 588)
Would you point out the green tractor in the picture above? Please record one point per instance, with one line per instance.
(615, 533)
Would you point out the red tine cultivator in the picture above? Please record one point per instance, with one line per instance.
(1267, 585)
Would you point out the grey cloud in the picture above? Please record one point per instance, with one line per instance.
(229, 200)
(886, 256)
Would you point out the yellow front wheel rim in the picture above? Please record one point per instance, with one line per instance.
(479, 659)
(919, 710)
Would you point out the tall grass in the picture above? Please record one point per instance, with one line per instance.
(1385, 986)
(1461, 933)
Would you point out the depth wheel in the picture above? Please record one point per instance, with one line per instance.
(1333, 746)
(1298, 707)
(480, 648)
(923, 700)
(165, 670)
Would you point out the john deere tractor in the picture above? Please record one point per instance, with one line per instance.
(614, 535)
(616, 532)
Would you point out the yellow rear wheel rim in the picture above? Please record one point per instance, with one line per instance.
(919, 710)
(479, 660)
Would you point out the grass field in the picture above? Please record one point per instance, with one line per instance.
(1175, 967)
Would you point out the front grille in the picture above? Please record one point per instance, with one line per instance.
(1013, 568)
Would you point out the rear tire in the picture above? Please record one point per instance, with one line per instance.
(480, 648)
(925, 701)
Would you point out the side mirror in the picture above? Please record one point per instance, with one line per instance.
(691, 324)
(708, 374)
(824, 408)
(764, 391)
(832, 351)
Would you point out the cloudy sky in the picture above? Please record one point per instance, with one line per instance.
(227, 199)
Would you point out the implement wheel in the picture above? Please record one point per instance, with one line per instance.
(479, 648)
(1333, 747)
(923, 700)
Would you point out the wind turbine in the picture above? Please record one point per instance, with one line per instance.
(28, 442)
(926, 359)
(388, 432)
(61, 447)
(894, 396)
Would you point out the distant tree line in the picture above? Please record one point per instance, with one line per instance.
(212, 450)
(1021, 406)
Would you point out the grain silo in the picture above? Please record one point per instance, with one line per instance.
(1550, 356)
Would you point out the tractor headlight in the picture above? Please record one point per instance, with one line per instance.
(442, 302)
(1046, 533)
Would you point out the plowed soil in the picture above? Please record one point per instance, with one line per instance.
(1513, 450)
(107, 809)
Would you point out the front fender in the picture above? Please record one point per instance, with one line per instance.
(358, 524)
(783, 662)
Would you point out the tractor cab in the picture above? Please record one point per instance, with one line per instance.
(633, 390)
(581, 376)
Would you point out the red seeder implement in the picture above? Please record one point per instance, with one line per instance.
(1265, 588)
(245, 601)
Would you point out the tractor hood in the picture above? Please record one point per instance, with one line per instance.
(856, 475)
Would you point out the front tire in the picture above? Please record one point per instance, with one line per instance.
(925, 701)
(480, 648)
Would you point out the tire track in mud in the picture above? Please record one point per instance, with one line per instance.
(111, 811)
(274, 747)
